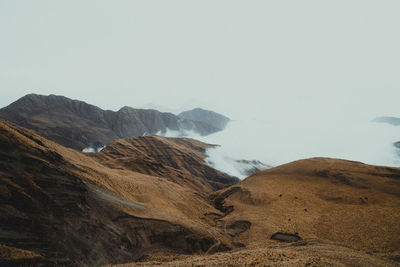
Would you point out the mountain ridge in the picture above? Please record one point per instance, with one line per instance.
(347, 202)
(206, 116)
(61, 207)
(77, 124)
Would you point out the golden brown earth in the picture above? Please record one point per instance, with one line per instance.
(313, 254)
(347, 214)
(180, 160)
(350, 203)
(68, 208)
(150, 201)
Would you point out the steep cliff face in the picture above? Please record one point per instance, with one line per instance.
(78, 125)
(61, 207)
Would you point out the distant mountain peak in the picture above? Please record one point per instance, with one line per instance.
(206, 116)
(77, 124)
(388, 119)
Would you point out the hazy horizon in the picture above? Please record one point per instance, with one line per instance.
(316, 71)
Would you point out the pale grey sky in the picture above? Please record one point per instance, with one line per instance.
(259, 58)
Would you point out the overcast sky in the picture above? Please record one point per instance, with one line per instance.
(269, 58)
(300, 78)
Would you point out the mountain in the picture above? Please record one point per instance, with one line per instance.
(319, 199)
(390, 120)
(313, 212)
(212, 118)
(79, 125)
(180, 160)
(151, 201)
(62, 207)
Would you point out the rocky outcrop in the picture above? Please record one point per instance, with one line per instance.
(212, 118)
(79, 125)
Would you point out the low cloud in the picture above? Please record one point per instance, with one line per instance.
(275, 142)
(93, 149)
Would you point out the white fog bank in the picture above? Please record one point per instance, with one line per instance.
(275, 142)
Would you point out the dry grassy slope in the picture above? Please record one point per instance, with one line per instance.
(291, 255)
(181, 160)
(350, 203)
(69, 208)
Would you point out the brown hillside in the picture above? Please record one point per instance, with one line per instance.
(350, 203)
(181, 160)
(142, 202)
(288, 255)
(345, 214)
(60, 205)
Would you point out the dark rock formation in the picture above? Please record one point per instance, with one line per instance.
(206, 116)
(79, 125)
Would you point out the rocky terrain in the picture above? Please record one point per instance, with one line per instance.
(79, 125)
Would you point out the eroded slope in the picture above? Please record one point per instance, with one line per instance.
(181, 160)
(64, 207)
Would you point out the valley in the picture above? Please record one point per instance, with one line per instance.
(153, 200)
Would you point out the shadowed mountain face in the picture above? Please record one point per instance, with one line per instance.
(59, 206)
(78, 125)
(212, 118)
